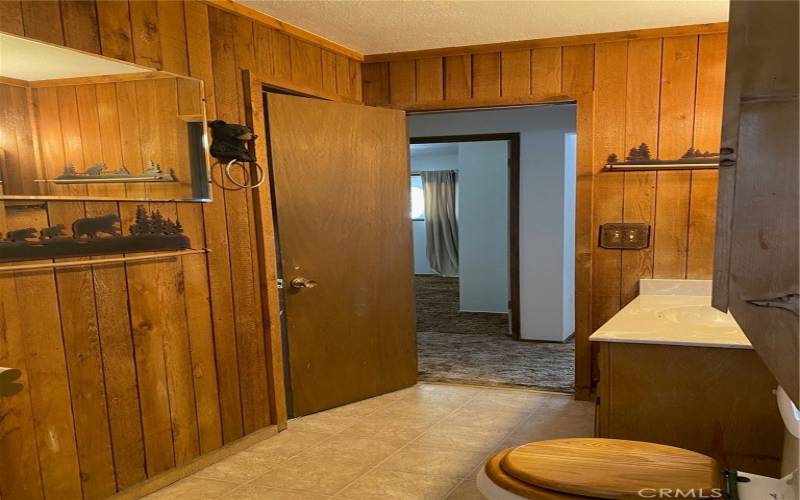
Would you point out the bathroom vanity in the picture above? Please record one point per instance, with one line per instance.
(675, 371)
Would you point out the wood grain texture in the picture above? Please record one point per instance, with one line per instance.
(641, 126)
(756, 258)
(458, 77)
(611, 60)
(610, 468)
(707, 133)
(335, 357)
(494, 471)
(703, 399)
(133, 369)
(655, 86)
(515, 74)
(676, 125)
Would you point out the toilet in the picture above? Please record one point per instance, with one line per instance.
(593, 468)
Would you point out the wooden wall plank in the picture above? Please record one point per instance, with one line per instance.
(458, 77)
(375, 87)
(707, 126)
(402, 82)
(430, 77)
(676, 124)
(80, 24)
(241, 239)
(345, 83)
(16, 412)
(145, 33)
(329, 72)
(42, 21)
(641, 126)
(222, 61)
(515, 73)
(546, 71)
(172, 35)
(306, 64)
(610, 77)
(577, 69)
(116, 36)
(262, 41)
(486, 76)
(11, 17)
(113, 319)
(282, 54)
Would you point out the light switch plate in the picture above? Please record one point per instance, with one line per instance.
(624, 236)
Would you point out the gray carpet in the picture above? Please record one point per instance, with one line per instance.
(437, 310)
(473, 348)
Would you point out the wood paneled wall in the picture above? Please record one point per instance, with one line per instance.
(132, 370)
(128, 123)
(661, 87)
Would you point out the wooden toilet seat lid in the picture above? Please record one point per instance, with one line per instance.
(610, 468)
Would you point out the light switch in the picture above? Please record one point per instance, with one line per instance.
(624, 236)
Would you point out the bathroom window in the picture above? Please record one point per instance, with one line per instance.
(417, 198)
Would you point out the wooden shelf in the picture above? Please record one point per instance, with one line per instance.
(649, 167)
(94, 262)
(109, 180)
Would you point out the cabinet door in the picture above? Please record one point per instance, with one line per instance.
(756, 265)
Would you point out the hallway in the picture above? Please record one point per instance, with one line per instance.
(474, 348)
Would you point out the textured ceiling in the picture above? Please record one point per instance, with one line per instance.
(378, 26)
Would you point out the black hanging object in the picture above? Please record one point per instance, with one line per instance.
(95, 236)
(228, 141)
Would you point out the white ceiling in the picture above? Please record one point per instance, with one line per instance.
(378, 26)
(30, 60)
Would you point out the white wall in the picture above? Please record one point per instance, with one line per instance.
(483, 226)
(482, 209)
(546, 210)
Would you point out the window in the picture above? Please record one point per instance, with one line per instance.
(417, 198)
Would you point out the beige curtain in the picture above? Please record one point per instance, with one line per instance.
(441, 226)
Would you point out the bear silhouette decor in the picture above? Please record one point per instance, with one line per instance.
(100, 235)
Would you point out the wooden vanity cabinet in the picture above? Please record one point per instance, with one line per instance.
(716, 401)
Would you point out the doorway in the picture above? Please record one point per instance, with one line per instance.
(496, 320)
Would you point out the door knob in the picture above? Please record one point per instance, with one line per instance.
(301, 282)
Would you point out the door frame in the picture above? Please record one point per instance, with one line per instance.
(586, 357)
(513, 139)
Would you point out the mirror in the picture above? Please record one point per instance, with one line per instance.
(79, 126)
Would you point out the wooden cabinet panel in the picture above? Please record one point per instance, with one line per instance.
(714, 401)
(756, 261)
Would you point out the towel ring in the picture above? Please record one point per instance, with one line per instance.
(260, 178)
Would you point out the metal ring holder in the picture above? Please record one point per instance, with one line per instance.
(260, 177)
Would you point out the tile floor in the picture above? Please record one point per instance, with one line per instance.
(425, 442)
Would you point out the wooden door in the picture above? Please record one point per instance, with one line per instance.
(342, 198)
(756, 263)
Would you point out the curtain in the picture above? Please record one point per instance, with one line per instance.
(441, 227)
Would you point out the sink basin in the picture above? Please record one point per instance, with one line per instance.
(698, 316)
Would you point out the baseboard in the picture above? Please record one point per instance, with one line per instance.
(176, 474)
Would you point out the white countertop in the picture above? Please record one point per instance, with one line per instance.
(673, 312)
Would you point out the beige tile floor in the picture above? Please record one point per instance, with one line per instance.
(425, 442)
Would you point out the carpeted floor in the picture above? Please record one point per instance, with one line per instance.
(474, 348)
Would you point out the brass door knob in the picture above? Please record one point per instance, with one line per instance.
(301, 282)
